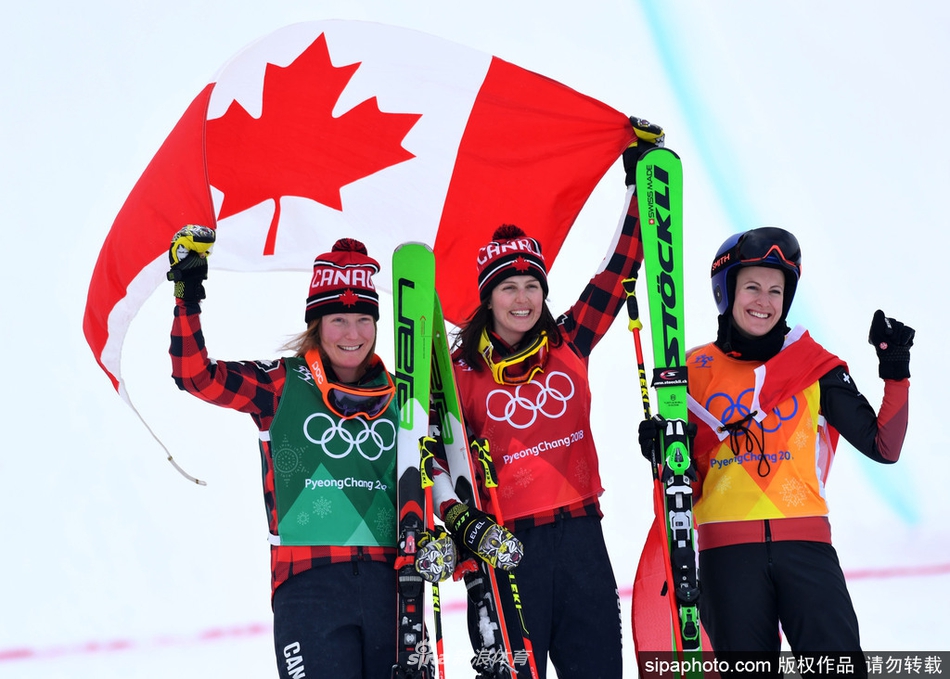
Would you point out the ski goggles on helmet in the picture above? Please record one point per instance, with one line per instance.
(348, 401)
(518, 368)
(766, 245)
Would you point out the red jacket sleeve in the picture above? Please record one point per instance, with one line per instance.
(252, 387)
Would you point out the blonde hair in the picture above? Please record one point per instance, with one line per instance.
(303, 342)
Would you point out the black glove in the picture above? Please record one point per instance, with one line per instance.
(188, 256)
(493, 543)
(649, 437)
(892, 341)
(648, 136)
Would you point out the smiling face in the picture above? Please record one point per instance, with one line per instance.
(516, 305)
(347, 340)
(760, 292)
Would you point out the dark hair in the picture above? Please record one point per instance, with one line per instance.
(470, 332)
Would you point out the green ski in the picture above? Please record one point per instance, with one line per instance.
(505, 650)
(659, 188)
(413, 303)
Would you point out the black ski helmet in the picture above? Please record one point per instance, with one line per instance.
(767, 246)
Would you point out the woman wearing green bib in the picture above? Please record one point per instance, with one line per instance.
(327, 425)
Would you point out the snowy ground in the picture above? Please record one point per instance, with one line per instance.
(827, 119)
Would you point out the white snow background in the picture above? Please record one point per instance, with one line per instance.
(825, 118)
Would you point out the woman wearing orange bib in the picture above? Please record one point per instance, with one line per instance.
(769, 404)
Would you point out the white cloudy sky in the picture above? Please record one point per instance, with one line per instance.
(827, 119)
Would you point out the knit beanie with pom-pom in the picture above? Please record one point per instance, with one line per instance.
(342, 282)
(510, 253)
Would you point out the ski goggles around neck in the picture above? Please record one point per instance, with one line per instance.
(521, 366)
(347, 400)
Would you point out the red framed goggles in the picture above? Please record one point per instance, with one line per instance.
(348, 401)
(769, 245)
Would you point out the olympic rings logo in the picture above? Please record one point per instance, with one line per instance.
(382, 433)
(520, 408)
(738, 409)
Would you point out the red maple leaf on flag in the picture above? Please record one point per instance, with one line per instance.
(301, 150)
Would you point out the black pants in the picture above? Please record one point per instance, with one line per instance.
(749, 589)
(337, 621)
(570, 600)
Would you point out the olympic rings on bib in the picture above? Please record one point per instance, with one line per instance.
(520, 407)
(737, 409)
(382, 432)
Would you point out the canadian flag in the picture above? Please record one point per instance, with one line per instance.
(341, 128)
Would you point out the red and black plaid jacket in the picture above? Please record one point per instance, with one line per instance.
(252, 387)
(587, 321)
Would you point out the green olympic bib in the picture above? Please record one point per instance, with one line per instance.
(334, 478)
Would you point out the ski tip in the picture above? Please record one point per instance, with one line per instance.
(661, 150)
(413, 243)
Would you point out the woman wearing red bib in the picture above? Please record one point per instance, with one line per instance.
(327, 425)
(769, 404)
(523, 384)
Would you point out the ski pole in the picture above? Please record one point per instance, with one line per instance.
(635, 325)
(491, 483)
(425, 472)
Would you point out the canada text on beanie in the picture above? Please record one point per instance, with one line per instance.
(342, 282)
(510, 253)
